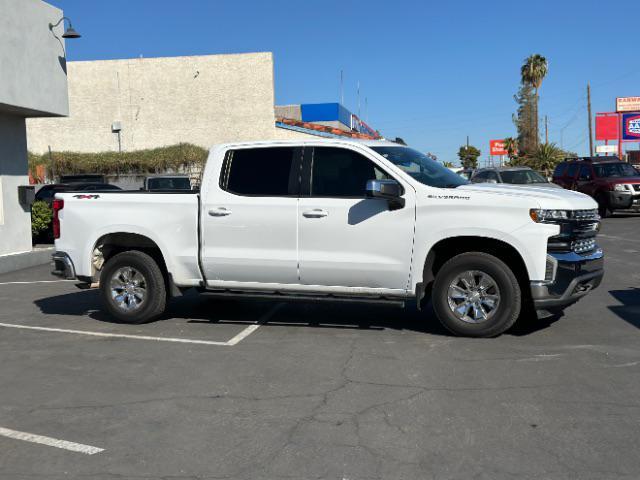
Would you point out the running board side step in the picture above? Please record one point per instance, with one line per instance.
(289, 297)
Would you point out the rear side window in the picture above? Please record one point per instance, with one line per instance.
(559, 171)
(338, 172)
(571, 171)
(265, 172)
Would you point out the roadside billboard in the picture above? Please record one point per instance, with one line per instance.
(628, 104)
(607, 126)
(631, 126)
(496, 147)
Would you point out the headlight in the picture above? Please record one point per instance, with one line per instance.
(548, 216)
(620, 187)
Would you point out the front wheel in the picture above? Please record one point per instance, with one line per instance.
(476, 295)
(132, 288)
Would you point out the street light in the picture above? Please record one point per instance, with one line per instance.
(69, 32)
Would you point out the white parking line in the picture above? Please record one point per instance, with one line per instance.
(52, 442)
(230, 343)
(36, 281)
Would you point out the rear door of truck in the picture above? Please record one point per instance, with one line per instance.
(249, 218)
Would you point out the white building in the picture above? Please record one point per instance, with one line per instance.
(142, 103)
(33, 83)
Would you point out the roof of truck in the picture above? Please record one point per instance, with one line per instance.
(314, 141)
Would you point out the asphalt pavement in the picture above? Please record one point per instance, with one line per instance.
(224, 389)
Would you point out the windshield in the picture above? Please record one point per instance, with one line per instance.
(615, 170)
(521, 177)
(422, 168)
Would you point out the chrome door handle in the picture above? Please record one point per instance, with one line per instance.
(315, 213)
(219, 212)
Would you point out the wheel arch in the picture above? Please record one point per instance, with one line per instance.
(448, 248)
(113, 243)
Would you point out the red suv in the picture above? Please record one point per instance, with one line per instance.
(614, 184)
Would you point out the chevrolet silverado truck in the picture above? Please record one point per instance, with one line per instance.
(338, 220)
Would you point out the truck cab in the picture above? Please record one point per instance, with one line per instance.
(337, 220)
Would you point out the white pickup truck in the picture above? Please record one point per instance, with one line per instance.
(335, 220)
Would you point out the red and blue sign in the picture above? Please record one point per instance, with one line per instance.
(631, 126)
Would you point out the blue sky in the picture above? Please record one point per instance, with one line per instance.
(432, 72)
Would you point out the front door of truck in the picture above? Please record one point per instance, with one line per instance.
(249, 231)
(345, 238)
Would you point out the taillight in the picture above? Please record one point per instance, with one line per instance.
(57, 206)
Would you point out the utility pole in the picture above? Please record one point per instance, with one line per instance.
(358, 99)
(546, 129)
(589, 119)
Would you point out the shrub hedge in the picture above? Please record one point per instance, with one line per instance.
(173, 158)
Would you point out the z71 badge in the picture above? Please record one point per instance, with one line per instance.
(86, 197)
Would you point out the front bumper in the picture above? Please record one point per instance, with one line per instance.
(576, 275)
(62, 266)
(621, 200)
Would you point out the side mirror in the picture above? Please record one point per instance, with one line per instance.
(389, 190)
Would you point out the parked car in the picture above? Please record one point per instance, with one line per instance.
(370, 221)
(167, 182)
(614, 184)
(513, 176)
(466, 173)
(83, 178)
(47, 192)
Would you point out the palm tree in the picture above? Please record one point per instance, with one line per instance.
(546, 157)
(511, 146)
(533, 71)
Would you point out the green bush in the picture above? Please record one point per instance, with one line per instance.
(41, 217)
(152, 160)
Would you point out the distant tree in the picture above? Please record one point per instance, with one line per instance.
(511, 145)
(532, 72)
(524, 119)
(447, 164)
(469, 156)
(545, 158)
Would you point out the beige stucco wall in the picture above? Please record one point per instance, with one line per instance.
(162, 101)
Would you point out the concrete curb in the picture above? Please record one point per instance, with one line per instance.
(18, 261)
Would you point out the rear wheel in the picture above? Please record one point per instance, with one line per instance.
(476, 295)
(603, 206)
(132, 288)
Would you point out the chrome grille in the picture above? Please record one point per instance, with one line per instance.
(585, 215)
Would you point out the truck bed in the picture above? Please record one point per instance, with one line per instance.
(170, 219)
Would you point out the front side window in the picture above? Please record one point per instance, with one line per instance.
(259, 171)
(615, 170)
(422, 168)
(338, 172)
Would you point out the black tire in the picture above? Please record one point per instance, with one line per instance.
(507, 309)
(154, 300)
(603, 207)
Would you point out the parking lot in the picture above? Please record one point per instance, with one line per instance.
(224, 389)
